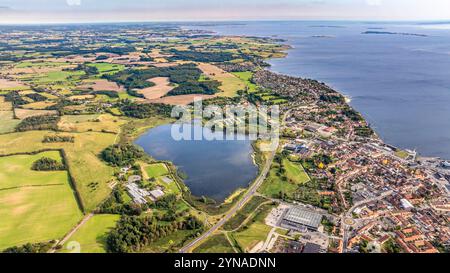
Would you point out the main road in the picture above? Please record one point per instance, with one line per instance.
(248, 195)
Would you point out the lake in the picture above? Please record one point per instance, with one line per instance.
(398, 75)
(214, 168)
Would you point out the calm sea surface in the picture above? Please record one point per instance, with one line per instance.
(214, 168)
(399, 82)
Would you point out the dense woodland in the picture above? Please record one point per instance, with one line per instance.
(46, 122)
(122, 154)
(142, 111)
(133, 233)
(47, 164)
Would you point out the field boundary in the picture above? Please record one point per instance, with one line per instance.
(72, 182)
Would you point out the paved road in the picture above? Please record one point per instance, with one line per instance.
(248, 195)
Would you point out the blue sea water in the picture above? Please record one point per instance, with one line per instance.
(399, 82)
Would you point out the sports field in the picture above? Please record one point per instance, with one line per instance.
(35, 206)
(156, 170)
(295, 172)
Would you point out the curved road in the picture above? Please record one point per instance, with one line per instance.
(249, 194)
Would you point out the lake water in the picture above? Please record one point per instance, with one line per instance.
(214, 168)
(400, 83)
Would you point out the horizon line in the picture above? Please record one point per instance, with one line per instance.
(443, 21)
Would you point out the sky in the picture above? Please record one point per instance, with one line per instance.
(68, 11)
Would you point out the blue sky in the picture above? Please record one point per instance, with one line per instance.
(28, 11)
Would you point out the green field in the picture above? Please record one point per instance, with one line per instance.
(156, 170)
(295, 172)
(244, 213)
(92, 235)
(247, 76)
(35, 206)
(107, 68)
(7, 122)
(273, 186)
(90, 173)
(215, 244)
(169, 243)
(254, 232)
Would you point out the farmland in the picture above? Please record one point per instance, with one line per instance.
(64, 101)
(90, 174)
(92, 236)
(27, 195)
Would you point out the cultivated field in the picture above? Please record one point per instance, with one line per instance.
(90, 173)
(102, 85)
(92, 235)
(161, 88)
(26, 113)
(7, 122)
(35, 206)
(230, 83)
(182, 99)
(91, 123)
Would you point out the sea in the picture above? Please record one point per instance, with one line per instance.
(397, 74)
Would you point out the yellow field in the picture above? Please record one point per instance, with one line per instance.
(7, 122)
(4, 105)
(95, 123)
(41, 105)
(26, 113)
(230, 83)
(90, 173)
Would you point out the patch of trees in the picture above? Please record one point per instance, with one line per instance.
(332, 98)
(47, 164)
(58, 139)
(352, 114)
(36, 97)
(205, 87)
(30, 248)
(141, 111)
(146, 59)
(46, 122)
(101, 58)
(196, 56)
(116, 50)
(111, 94)
(391, 247)
(364, 131)
(60, 104)
(15, 98)
(88, 69)
(133, 233)
(122, 154)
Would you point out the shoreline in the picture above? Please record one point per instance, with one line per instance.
(348, 100)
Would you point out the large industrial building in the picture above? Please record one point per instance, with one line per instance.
(300, 219)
